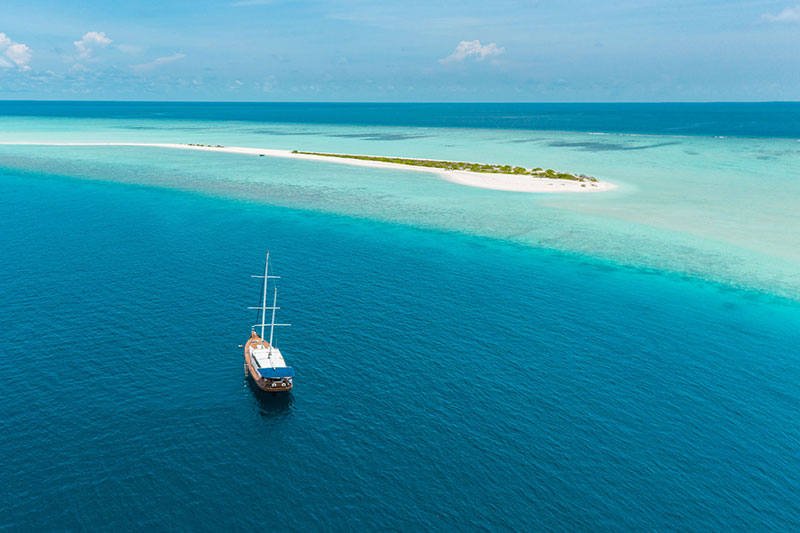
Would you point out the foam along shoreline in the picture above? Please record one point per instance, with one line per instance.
(484, 180)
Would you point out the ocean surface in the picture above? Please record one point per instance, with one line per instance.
(764, 119)
(465, 359)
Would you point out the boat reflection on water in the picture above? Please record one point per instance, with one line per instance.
(270, 403)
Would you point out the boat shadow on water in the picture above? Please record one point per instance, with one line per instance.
(271, 403)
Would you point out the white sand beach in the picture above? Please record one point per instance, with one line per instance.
(501, 182)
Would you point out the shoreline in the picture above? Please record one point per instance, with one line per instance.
(484, 180)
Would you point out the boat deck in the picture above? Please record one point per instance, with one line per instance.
(266, 358)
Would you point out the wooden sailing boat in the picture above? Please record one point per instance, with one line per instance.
(263, 361)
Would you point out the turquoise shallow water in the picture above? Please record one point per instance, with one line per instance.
(722, 209)
(464, 360)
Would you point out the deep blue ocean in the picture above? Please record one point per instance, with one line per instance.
(759, 119)
(444, 381)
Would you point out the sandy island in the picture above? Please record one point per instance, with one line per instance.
(500, 182)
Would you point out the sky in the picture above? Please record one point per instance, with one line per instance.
(390, 51)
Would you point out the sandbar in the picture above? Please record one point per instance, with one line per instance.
(484, 180)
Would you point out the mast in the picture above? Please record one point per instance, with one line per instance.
(264, 302)
(272, 324)
(263, 307)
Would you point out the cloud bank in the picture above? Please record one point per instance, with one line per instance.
(474, 48)
(14, 54)
(89, 42)
(157, 62)
(790, 14)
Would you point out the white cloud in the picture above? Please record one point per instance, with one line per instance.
(89, 41)
(16, 54)
(466, 49)
(19, 54)
(790, 14)
(157, 62)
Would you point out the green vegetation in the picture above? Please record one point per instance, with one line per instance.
(459, 165)
(206, 145)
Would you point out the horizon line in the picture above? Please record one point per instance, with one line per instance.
(382, 102)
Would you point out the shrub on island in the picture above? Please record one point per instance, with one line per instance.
(461, 165)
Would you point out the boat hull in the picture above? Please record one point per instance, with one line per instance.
(265, 384)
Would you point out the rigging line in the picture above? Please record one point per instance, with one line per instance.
(264, 300)
(258, 310)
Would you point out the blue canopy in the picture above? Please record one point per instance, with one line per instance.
(284, 372)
